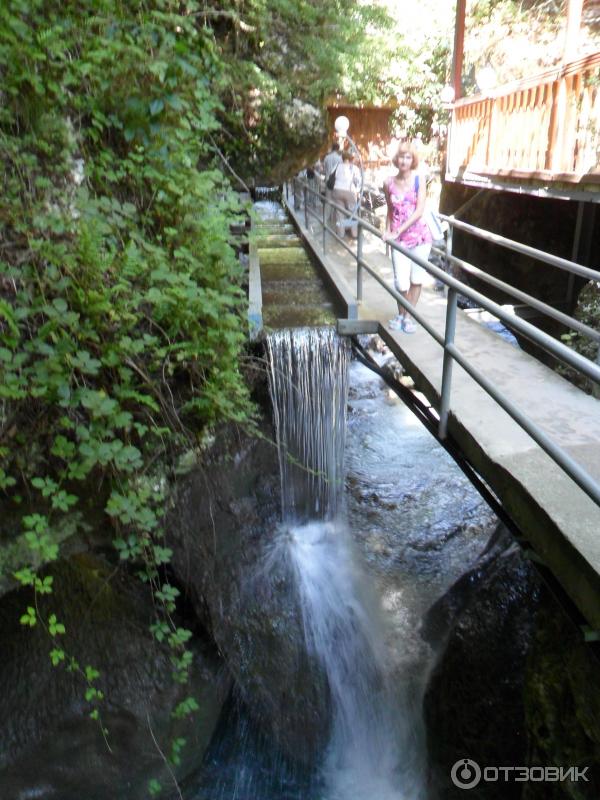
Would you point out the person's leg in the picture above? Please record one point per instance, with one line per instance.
(417, 276)
(351, 206)
(414, 293)
(333, 215)
(348, 203)
(401, 265)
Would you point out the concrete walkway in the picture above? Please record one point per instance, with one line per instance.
(559, 520)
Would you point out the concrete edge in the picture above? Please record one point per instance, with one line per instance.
(352, 327)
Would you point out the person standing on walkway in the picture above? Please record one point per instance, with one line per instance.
(330, 164)
(406, 195)
(345, 191)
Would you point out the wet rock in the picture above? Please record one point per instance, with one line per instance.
(562, 705)
(46, 718)
(474, 703)
(222, 535)
(393, 368)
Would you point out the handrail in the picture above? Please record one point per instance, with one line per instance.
(539, 79)
(525, 249)
(523, 297)
(451, 353)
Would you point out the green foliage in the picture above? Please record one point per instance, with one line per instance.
(121, 307)
(122, 310)
(407, 62)
(588, 312)
(516, 38)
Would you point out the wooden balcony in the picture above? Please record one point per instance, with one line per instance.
(539, 134)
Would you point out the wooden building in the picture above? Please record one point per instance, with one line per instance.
(367, 123)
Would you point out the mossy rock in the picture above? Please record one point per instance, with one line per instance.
(49, 745)
(562, 703)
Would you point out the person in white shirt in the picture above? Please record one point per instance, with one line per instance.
(332, 159)
(347, 185)
(330, 163)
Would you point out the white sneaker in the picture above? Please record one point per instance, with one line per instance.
(396, 323)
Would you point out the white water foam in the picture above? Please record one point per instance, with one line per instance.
(376, 750)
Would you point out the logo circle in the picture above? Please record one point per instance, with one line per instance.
(465, 773)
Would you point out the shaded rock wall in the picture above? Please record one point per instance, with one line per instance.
(515, 685)
(49, 746)
(543, 223)
(474, 705)
(562, 704)
(222, 534)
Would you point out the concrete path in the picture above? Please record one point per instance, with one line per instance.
(560, 521)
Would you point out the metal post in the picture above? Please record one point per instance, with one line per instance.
(305, 194)
(595, 386)
(457, 53)
(447, 365)
(574, 13)
(324, 204)
(449, 267)
(575, 252)
(359, 255)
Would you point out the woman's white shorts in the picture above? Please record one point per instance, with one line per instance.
(406, 271)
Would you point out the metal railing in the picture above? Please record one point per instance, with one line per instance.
(455, 287)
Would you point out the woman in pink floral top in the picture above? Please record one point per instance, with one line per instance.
(405, 196)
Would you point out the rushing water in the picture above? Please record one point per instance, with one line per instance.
(370, 551)
(372, 751)
(308, 384)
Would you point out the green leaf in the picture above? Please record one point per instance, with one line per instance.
(29, 618)
(56, 656)
(55, 628)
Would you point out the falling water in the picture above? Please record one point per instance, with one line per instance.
(309, 388)
(372, 752)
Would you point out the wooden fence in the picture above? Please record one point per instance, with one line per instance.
(546, 127)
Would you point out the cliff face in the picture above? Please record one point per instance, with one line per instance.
(222, 533)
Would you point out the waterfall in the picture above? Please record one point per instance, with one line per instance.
(309, 388)
(372, 751)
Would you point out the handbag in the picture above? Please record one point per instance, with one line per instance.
(331, 179)
(435, 228)
(431, 220)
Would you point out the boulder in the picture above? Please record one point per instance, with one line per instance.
(474, 704)
(562, 705)
(226, 538)
(49, 745)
